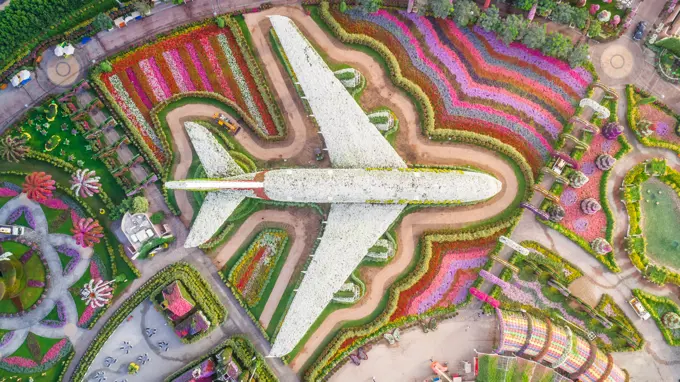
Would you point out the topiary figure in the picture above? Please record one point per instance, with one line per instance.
(601, 246)
(13, 149)
(590, 206)
(87, 232)
(556, 213)
(612, 130)
(85, 183)
(139, 205)
(38, 186)
(577, 179)
(605, 162)
(671, 320)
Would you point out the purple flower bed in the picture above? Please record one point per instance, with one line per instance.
(568, 197)
(448, 279)
(533, 288)
(490, 277)
(26, 256)
(662, 128)
(35, 284)
(588, 168)
(581, 225)
(11, 186)
(73, 254)
(53, 323)
(16, 214)
(6, 338)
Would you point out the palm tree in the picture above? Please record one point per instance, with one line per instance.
(13, 149)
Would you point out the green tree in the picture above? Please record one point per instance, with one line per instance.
(534, 37)
(562, 13)
(139, 205)
(103, 22)
(106, 67)
(219, 20)
(465, 12)
(178, 2)
(595, 28)
(142, 7)
(557, 45)
(524, 5)
(512, 29)
(579, 17)
(370, 6)
(157, 217)
(490, 19)
(545, 7)
(440, 8)
(578, 55)
(343, 6)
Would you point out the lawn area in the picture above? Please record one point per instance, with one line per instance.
(660, 221)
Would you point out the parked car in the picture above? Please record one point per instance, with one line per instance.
(639, 30)
(15, 230)
(638, 308)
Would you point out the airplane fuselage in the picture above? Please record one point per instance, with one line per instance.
(404, 186)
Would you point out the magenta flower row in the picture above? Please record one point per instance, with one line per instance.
(138, 87)
(199, 67)
(216, 68)
(179, 72)
(158, 88)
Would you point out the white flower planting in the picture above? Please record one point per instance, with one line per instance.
(348, 287)
(351, 229)
(384, 255)
(350, 82)
(215, 159)
(382, 114)
(85, 183)
(96, 294)
(351, 139)
(386, 186)
(216, 208)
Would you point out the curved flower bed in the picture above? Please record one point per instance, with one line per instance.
(514, 94)
(665, 124)
(22, 365)
(254, 269)
(201, 57)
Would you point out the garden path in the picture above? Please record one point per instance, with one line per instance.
(59, 283)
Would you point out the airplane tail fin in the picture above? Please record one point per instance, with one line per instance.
(213, 156)
(216, 208)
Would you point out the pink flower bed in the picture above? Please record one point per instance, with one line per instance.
(664, 124)
(56, 204)
(86, 316)
(450, 279)
(161, 90)
(19, 361)
(199, 67)
(54, 351)
(588, 227)
(179, 72)
(216, 68)
(7, 193)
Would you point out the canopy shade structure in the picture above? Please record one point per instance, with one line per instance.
(58, 51)
(69, 49)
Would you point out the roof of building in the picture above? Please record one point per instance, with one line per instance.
(178, 300)
(192, 325)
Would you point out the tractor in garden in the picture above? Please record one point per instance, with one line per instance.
(224, 121)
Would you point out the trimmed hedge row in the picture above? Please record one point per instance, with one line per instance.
(243, 351)
(175, 271)
(422, 99)
(635, 242)
(633, 115)
(336, 353)
(655, 303)
(574, 271)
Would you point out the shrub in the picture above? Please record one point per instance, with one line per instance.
(106, 67)
(670, 43)
(157, 217)
(103, 22)
(139, 205)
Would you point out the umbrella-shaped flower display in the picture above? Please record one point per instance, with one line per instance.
(87, 232)
(96, 293)
(38, 186)
(85, 183)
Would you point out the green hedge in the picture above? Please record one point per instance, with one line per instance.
(636, 245)
(243, 351)
(215, 311)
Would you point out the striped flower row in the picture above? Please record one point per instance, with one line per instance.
(216, 68)
(453, 105)
(199, 67)
(152, 73)
(130, 109)
(179, 72)
(241, 82)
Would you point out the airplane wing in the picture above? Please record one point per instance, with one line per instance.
(215, 159)
(351, 139)
(351, 229)
(216, 208)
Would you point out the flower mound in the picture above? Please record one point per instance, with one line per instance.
(84, 183)
(39, 186)
(13, 149)
(87, 232)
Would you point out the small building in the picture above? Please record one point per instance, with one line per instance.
(176, 301)
(192, 325)
(138, 229)
(203, 372)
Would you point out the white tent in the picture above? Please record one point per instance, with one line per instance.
(69, 49)
(58, 51)
(21, 78)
